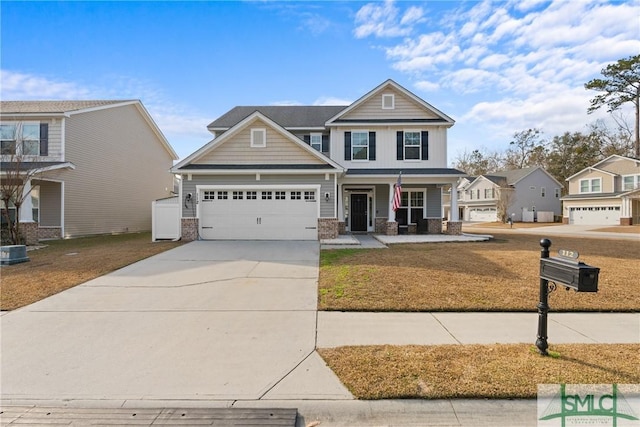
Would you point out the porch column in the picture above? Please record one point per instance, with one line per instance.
(392, 213)
(625, 211)
(340, 203)
(26, 210)
(454, 202)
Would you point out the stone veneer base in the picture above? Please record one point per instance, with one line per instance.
(454, 228)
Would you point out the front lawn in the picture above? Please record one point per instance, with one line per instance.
(497, 371)
(62, 264)
(499, 275)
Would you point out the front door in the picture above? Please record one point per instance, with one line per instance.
(358, 212)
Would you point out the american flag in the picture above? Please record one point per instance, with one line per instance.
(397, 194)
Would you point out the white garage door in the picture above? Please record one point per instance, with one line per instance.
(259, 214)
(483, 214)
(600, 215)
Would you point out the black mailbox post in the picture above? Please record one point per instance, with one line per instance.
(565, 270)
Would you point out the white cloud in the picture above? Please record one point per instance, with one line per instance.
(427, 86)
(22, 86)
(330, 100)
(384, 20)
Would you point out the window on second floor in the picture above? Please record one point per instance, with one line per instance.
(630, 182)
(489, 193)
(543, 192)
(557, 193)
(360, 145)
(412, 145)
(316, 141)
(28, 138)
(592, 185)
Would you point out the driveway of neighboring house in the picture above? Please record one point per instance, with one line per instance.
(205, 321)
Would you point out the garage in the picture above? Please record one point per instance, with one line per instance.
(595, 215)
(483, 214)
(258, 213)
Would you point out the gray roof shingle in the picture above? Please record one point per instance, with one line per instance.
(290, 116)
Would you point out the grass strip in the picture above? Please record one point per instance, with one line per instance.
(498, 371)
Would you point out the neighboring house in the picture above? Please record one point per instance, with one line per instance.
(519, 193)
(309, 172)
(607, 193)
(100, 165)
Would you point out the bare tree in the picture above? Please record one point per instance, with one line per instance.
(506, 198)
(17, 172)
(527, 149)
(478, 162)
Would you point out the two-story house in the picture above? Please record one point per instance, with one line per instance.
(607, 193)
(309, 172)
(519, 194)
(96, 165)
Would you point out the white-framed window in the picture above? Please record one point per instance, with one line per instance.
(316, 141)
(281, 195)
(557, 193)
(489, 193)
(630, 182)
(208, 195)
(388, 101)
(258, 137)
(223, 195)
(543, 192)
(592, 185)
(238, 195)
(411, 206)
(252, 195)
(310, 195)
(267, 195)
(296, 195)
(27, 144)
(412, 145)
(360, 145)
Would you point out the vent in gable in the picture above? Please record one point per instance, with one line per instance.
(258, 137)
(388, 101)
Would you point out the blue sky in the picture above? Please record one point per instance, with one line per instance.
(495, 67)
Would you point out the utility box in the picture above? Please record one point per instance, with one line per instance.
(571, 273)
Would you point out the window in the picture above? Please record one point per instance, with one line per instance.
(592, 185)
(557, 193)
(310, 195)
(296, 195)
(281, 195)
(223, 195)
(251, 195)
(258, 137)
(238, 195)
(360, 145)
(412, 145)
(489, 193)
(208, 195)
(478, 194)
(316, 141)
(267, 195)
(630, 182)
(412, 207)
(543, 192)
(388, 101)
(29, 141)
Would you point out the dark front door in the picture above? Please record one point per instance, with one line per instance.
(358, 212)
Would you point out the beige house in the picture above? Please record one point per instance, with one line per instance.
(607, 193)
(313, 172)
(99, 165)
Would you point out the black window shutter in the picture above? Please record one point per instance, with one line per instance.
(44, 139)
(372, 145)
(307, 138)
(424, 141)
(325, 143)
(347, 145)
(400, 145)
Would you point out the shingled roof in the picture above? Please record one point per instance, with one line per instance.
(290, 116)
(21, 107)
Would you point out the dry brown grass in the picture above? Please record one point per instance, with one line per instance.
(634, 229)
(63, 264)
(478, 371)
(498, 275)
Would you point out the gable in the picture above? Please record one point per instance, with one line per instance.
(279, 149)
(403, 108)
(620, 165)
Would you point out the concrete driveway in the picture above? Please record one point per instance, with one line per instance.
(208, 320)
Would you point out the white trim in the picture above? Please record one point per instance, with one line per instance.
(62, 199)
(590, 189)
(393, 101)
(63, 138)
(311, 135)
(365, 131)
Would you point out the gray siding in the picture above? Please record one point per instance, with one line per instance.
(121, 167)
(326, 208)
(434, 202)
(50, 199)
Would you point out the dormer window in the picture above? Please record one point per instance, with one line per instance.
(258, 137)
(388, 101)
